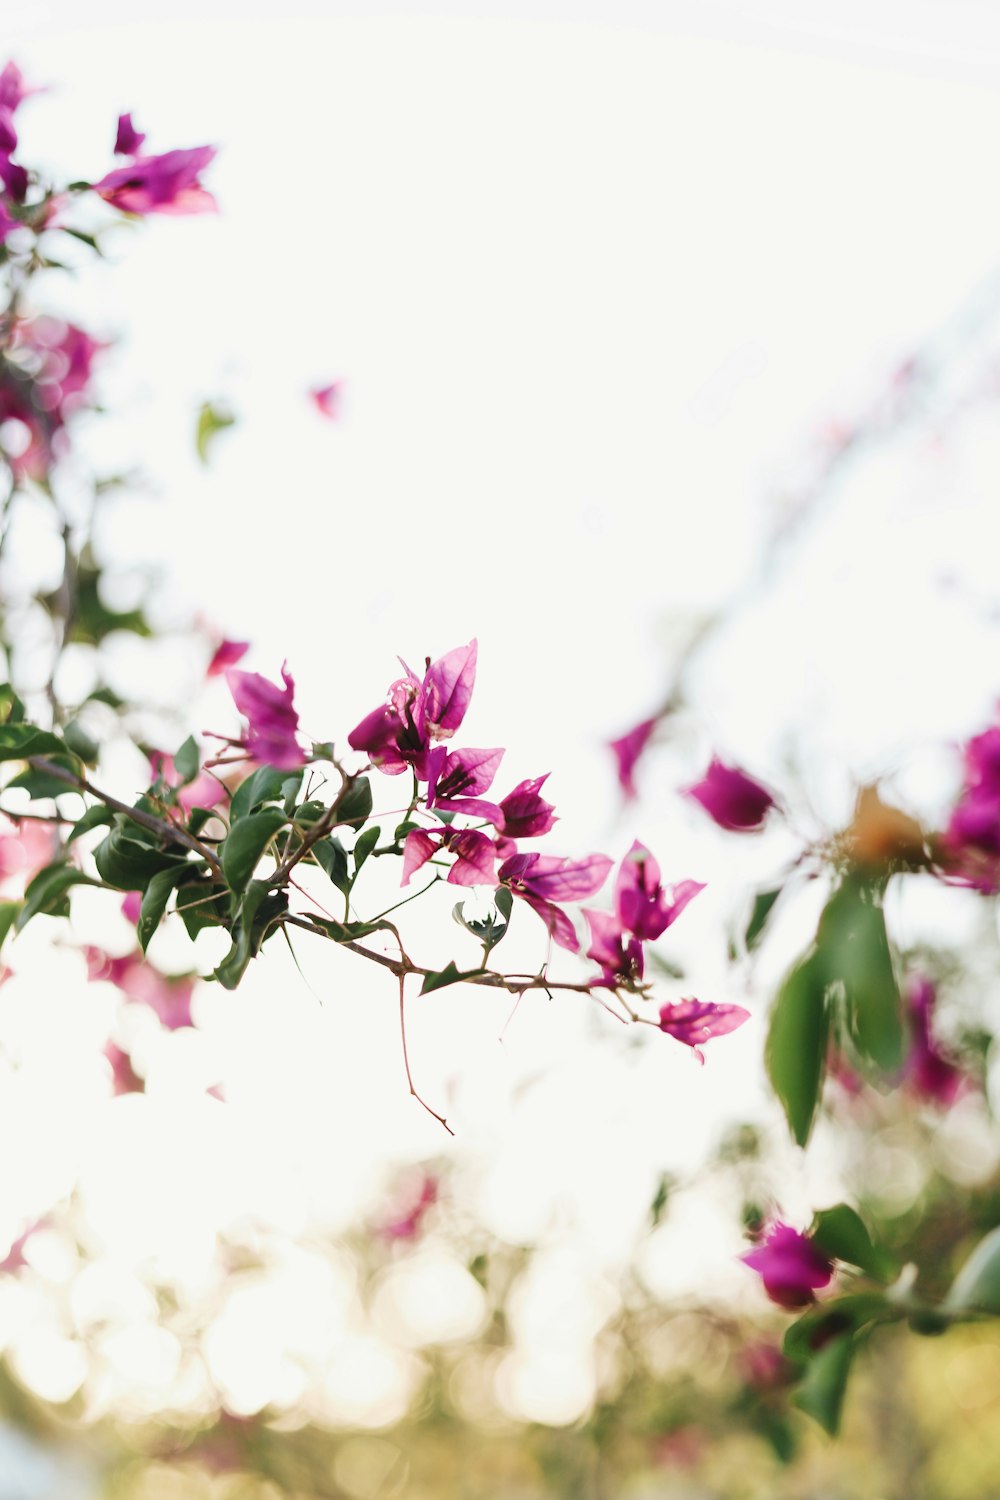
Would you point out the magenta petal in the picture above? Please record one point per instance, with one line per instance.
(476, 858)
(627, 751)
(128, 140)
(558, 879)
(166, 184)
(526, 815)
(227, 653)
(326, 399)
(560, 928)
(696, 1021)
(417, 850)
(791, 1265)
(732, 798)
(272, 720)
(606, 935)
(447, 689)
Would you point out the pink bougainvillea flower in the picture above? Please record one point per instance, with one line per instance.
(696, 1021)
(526, 815)
(12, 87)
(166, 184)
(226, 654)
(25, 849)
(792, 1267)
(15, 1257)
(326, 399)
(132, 907)
(927, 1073)
(8, 132)
(627, 751)
(543, 879)
(15, 181)
(732, 798)
(619, 954)
(128, 140)
(272, 721)
(642, 905)
(455, 780)
(475, 855)
(399, 732)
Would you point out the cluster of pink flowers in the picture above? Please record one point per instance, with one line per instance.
(13, 176)
(44, 378)
(165, 184)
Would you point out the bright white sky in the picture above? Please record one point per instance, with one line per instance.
(591, 275)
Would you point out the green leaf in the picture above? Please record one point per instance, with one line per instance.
(487, 930)
(824, 1321)
(98, 816)
(856, 951)
(348, 932)
(503, 900)
(762, 907)
(450, 974)
(92, 619)
(331, 856)
(187, 761)
(821, 1393)
(240, 851)
(212, 420)
(248, 933)
(309, 812)
(198, 817)
(841, 1234)
(8, 915)
(47, 895)
(11, 707)
(130, 863)
(154, 902)
(795, 1052)
(198, 910)
(18, 741)
(263, 785)
(363, 846)
(355, 803)
(39, 782)
(976, 1288)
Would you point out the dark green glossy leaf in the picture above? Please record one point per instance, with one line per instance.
(856, 951)
(246, 929)
(11, 707)
(824, 1321)
(263, 785)
(824, 1385)
(98, 816)
(355, 804)
(450, 974)
(187, 761)
(310, 812)
(976, 1288)
(154, 902)
(331, 856)
(200, 904)
(18, 741)
(486, 930)
(48, 894)
(841, 1234)
(39, 782)
(128, 862)
(795, 1052)
(240, 851)
(363, 846)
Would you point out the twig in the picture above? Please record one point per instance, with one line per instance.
(406, 1060)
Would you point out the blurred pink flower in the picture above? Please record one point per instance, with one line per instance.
(408, 1213)
(732, 798)
(272, 720)
(791, 1265)
(128, 140)
(166, 184)
(226, 654)
(124, 1078)
(326, 399)
(927, 1073)
(627, 751)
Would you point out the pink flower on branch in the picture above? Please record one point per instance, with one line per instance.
(475, 855)
(696, 1021)
(543, 879)
(419, 711)
(167, 184)
(455, 780)
(927, 1073)
(525, 814)
(272, 721)
(792, 1267)
(642, 912)
(732, 798)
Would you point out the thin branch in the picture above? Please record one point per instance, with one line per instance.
(406, 1060)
